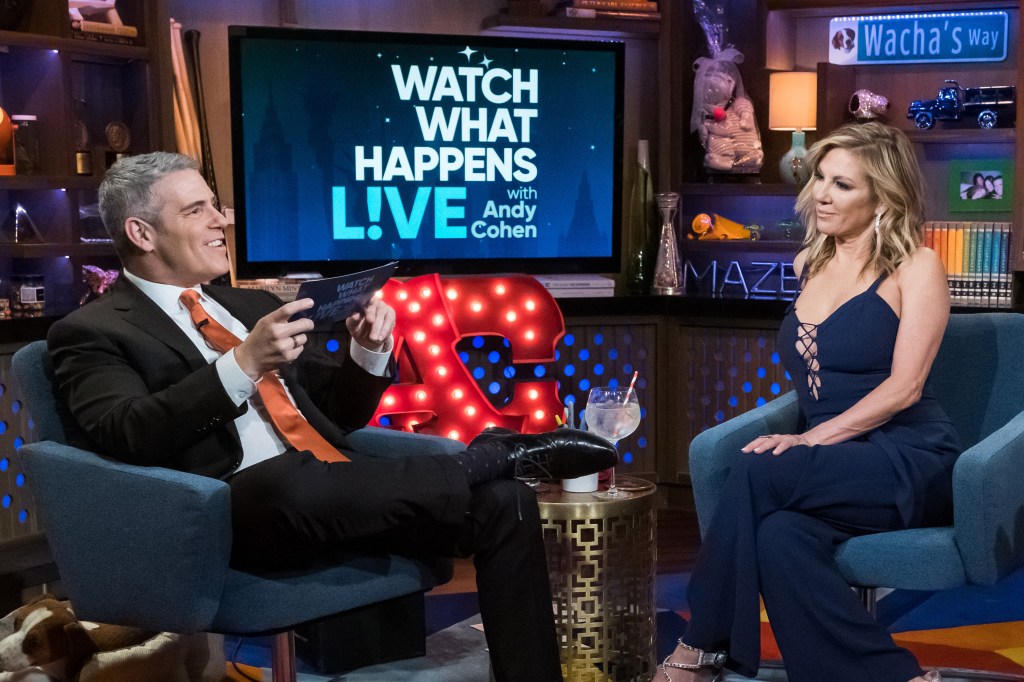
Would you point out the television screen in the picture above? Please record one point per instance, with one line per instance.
(452, 154)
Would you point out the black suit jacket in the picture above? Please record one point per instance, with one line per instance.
(143, 393)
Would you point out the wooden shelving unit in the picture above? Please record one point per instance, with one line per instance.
(594, 28)
(788, 19)
(64, 80)
(793, 38)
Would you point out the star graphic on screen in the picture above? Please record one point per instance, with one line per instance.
(486, 62)
(467, 52)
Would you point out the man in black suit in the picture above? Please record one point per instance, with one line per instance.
(145, 385)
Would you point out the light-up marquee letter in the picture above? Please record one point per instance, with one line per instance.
(433, 315)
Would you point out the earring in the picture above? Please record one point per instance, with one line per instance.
(878, 222)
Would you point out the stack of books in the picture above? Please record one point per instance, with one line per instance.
(578, 286)
(98, 20)
(613, 9)
(977, 260)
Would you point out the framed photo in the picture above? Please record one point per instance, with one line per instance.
(981, 185)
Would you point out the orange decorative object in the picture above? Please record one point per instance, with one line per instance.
(438, 395)
(6, 144)
(715, 226)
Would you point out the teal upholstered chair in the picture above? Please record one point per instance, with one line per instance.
(149, 547)
(978, 376)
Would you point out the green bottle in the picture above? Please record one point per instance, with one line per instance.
(642, 221)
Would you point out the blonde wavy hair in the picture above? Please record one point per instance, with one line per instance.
(894, 178)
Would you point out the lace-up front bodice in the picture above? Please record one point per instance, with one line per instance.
(837, 361)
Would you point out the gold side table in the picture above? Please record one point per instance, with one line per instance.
(601, 556)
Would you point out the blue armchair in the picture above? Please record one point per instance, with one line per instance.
(149, 547)
(978, 376)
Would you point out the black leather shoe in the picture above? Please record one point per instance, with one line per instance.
(563, 453)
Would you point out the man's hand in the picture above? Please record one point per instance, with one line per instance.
(274, 341)
(372, 327)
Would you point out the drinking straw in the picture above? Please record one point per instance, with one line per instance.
(631, 383)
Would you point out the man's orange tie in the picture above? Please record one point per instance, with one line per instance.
(290, 423)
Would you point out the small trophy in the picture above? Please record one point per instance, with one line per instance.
(18, 228)
(668, 270)
(119, 138)
(91, 228)
(83, 157)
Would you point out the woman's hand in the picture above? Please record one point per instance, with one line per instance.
(777, 443)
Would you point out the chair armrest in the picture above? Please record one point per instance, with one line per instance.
(380, 442)
(988, 504)
(141, 546)
(713, 452)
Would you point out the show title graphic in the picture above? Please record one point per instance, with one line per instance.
(414, 149)
(478, 121)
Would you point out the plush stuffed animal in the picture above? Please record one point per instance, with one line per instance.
(44, 642)
(723, 116)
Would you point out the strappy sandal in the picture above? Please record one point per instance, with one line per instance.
(704, 660)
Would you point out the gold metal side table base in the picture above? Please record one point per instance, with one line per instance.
(601, 559)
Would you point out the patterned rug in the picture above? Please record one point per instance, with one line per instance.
(969, 628)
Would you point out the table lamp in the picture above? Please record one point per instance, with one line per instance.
(793, 102)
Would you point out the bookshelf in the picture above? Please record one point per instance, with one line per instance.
(790, 35)
(47, 71)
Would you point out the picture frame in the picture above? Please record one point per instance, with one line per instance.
(981, 185)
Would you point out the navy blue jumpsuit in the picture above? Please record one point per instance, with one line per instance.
(780, 518)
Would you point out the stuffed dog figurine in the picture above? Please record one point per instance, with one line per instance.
(44, 642)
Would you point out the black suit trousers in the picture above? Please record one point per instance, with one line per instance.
(294, 510)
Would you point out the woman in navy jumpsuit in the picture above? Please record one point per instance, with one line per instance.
(877, 451)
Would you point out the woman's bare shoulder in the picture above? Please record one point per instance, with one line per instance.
(923, 267)
(799, 261)
(923, 260)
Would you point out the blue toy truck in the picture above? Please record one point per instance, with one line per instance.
(988, 105)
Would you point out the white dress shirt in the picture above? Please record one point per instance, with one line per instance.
(255, 429)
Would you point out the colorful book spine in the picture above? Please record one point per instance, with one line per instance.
(993, 266)
(631, 5)
(986, 260)
(944, 255)
(108, 38)
(968, 276)
(976, 258)
(588, 13)
(977, 269)
(956, 244)
(1005, 274)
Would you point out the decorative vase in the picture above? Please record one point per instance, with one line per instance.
(668, 270)
(642, 219)
(793, 165)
